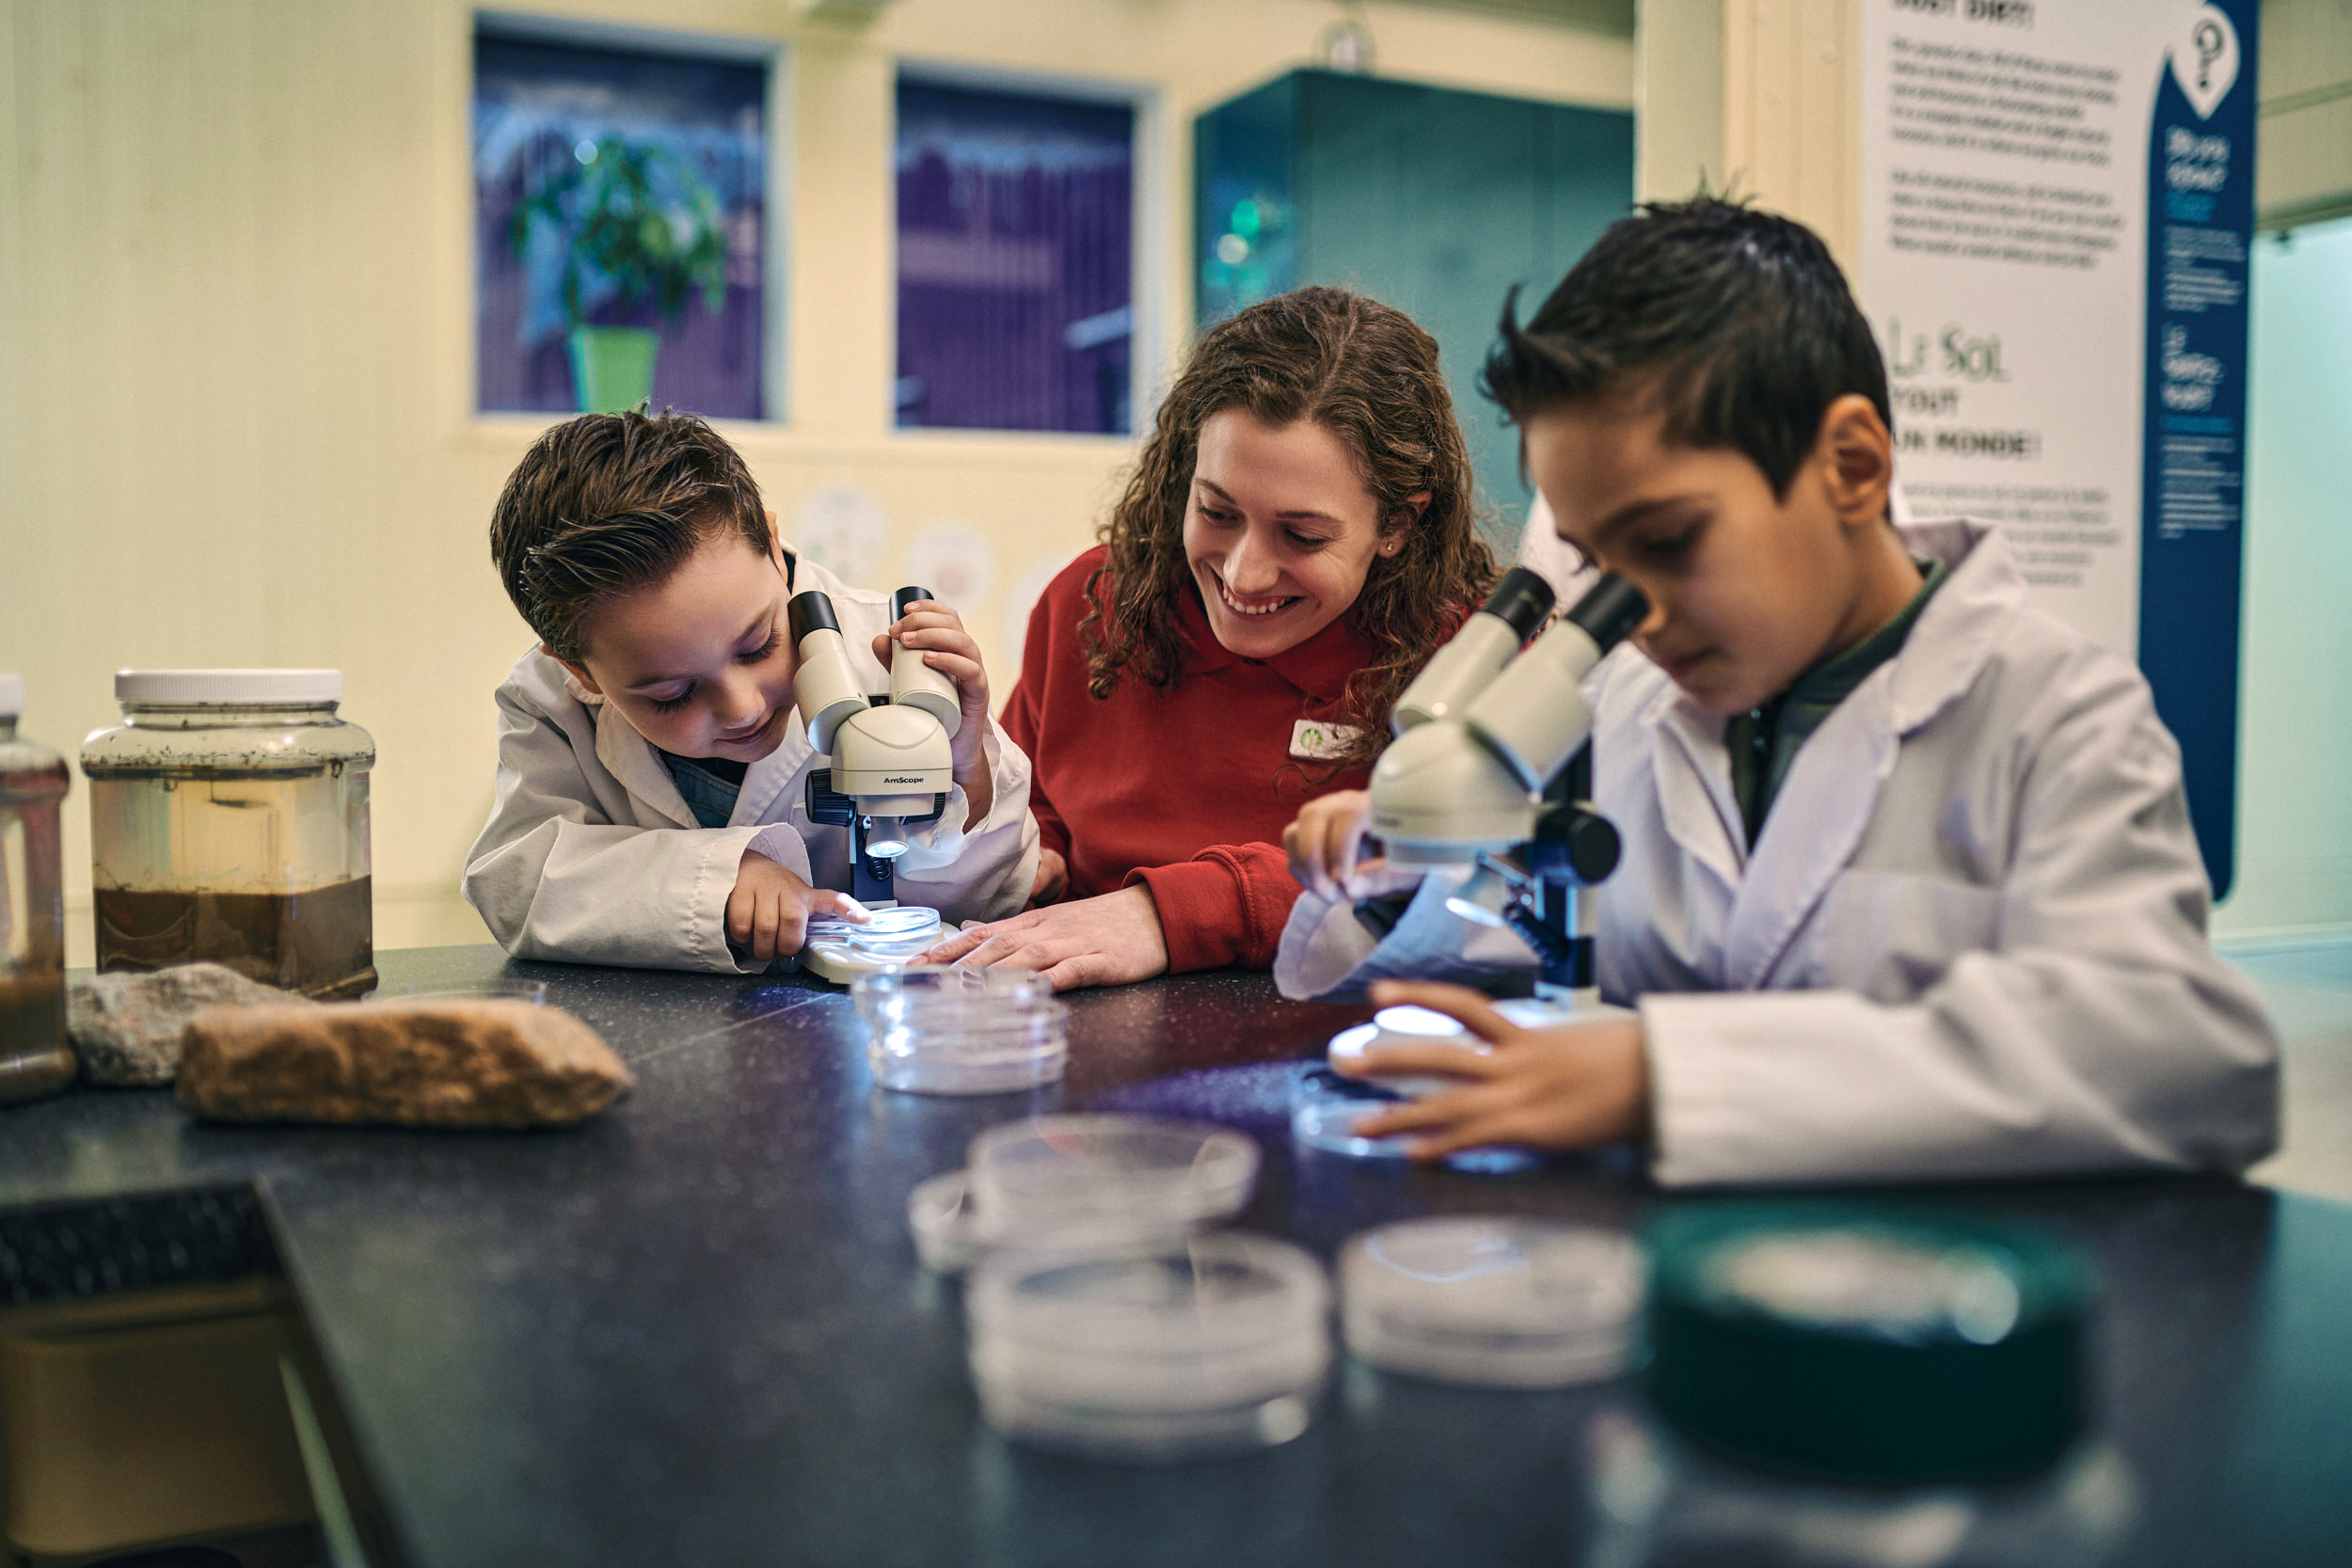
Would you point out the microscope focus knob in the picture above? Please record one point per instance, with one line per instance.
(1576, 839)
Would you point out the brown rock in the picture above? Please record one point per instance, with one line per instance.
(425, 1064)
(127, 1026)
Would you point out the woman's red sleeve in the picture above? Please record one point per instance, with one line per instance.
(1021, 721)
(1225, 906)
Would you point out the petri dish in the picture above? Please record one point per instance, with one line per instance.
(1326, 1107)
(1220, 1347)
(1493, 1302)
(1106, 1181)
(939, 1029)
(903, 931)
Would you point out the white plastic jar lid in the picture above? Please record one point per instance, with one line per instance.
(229, 688)
(12, 696)
(1494, 1301)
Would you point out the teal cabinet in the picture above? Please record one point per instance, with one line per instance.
(1433, 201)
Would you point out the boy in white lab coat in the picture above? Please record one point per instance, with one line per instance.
(1908, 888)
(651, 804)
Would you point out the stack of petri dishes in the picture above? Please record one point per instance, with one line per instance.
(946, 1030)
(1105, 1318)
(1495, 1302)
(1218, 1347)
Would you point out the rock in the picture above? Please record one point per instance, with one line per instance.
(422, 1064)
(127, 1027)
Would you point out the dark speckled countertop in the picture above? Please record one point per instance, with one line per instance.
(693, 1331)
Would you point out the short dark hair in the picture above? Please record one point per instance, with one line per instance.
(1741, 321)
(606, 503)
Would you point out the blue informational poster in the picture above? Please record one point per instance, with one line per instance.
(2056, 210)
(2201, 225)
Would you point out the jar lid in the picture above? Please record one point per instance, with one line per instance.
(12, 696)
(230, 688)
(1494, 1301)
(1858, 1343)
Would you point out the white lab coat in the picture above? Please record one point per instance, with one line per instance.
(1969, 942)
(592, 856)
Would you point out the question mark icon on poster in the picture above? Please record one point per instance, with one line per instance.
(2205, 60)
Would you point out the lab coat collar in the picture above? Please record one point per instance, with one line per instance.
(1818, 818)
(1319, 667)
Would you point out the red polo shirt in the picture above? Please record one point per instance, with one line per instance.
(1186, 791)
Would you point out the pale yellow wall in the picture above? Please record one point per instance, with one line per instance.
(2305, 144)
(236, 419)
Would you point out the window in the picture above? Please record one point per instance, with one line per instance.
(1015, 252)
(695, 127)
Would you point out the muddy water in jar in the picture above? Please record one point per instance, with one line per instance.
(249, 870)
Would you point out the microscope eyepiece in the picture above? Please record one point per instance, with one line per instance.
(1609, 611)
(808, 612)
(906, 596)
(1521, 601)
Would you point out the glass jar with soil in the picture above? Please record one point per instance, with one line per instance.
(228, 823)
(35, 1058)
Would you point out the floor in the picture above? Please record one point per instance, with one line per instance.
(2309, 988)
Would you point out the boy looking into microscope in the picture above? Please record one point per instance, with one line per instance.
(1908, 889)
(651, 805)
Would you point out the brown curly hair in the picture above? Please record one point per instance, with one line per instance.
(1365, 372)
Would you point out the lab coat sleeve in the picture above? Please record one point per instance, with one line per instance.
(983, 870)
(1019, 722)
(2097, 1032)
(1328, 955)
(554, 877)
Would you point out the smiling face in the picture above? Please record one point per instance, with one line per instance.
(1279, 531)
(700, 662)
(1746, 591)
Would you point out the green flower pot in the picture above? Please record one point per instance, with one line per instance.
(612, 366)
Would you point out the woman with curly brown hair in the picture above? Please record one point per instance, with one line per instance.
(1295, 541)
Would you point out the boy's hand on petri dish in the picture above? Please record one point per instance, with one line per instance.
(1106, 941)
(768, 912)
(1053, 879)
(1576, 1086)
(937, 632)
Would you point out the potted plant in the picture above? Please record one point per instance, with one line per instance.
(640, 226)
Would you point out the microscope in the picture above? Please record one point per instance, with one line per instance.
(892, 768)
(1491, 770)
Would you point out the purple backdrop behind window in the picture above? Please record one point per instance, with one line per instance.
(1015, 238)
(533, 103)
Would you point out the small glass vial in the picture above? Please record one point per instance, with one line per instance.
(35, 1058)
(228, 824)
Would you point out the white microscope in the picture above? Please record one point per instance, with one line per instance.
(892, 768)
(1489, 771)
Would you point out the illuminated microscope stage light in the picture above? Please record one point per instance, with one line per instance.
(885, 838)
(1482, 899)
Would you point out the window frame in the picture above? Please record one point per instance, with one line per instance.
(773, 55)
(1147, 242)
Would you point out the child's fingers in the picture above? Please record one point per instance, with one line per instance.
(840, 905)
(1464, 1006)
(1436, 1115)
(767, 920)
(741, 905)
(1390, 1061)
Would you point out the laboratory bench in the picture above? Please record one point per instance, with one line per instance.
(694, 1330)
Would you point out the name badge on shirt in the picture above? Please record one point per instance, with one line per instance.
(1316, 741)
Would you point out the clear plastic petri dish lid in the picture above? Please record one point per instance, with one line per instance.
(1107, 1181)
(1219, 1347)
(1495, 1302)
(948, 991)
